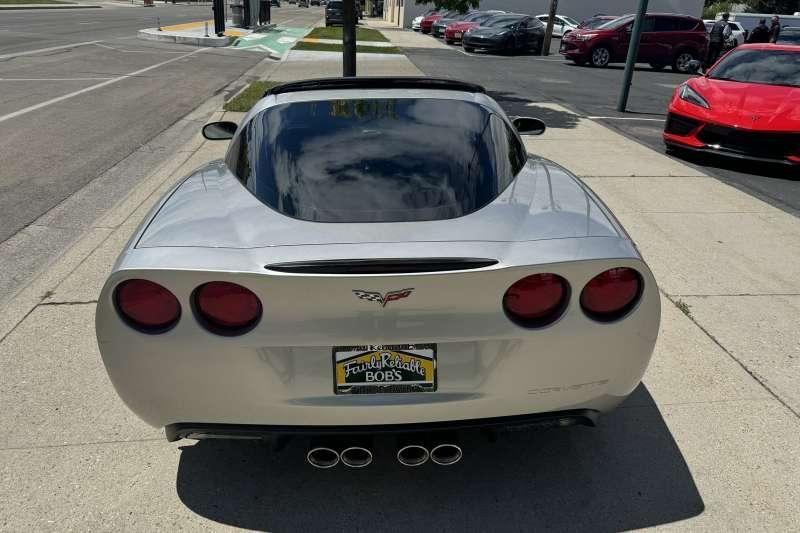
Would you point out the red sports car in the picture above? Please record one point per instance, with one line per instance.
(427, 23)
(747, 106)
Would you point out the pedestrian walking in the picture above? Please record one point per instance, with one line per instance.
(719, 34)
(775, 30)
(760, 33)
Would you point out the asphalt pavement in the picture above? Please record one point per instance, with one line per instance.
(81, 98)
(519, 80)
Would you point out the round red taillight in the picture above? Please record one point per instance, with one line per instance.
(146, 306)
(537, 300)
(226, 308)
(611, 294)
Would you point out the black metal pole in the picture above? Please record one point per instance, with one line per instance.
(349, 39)
(219, 16)
(633, 53)
(548, 32)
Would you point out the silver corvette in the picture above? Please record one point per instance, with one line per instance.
(376, 255)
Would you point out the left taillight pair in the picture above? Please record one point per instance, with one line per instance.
(221, 307)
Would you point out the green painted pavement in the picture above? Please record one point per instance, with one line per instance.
(276, 40)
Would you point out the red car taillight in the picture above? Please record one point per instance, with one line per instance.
(537, 300)
(146, 306)
(611, 294)
(226, 308)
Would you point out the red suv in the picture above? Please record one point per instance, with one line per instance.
(667, 39)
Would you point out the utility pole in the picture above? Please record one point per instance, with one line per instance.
(349, 39)
(633, 53)
(548, 32)
(219, 17)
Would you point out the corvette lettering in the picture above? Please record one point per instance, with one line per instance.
(383, 299)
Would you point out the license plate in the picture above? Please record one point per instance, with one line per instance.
(457, 35)
(374, 369)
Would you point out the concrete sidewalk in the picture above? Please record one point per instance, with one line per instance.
(709, 441)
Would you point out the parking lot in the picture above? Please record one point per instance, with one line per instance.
(517, 80)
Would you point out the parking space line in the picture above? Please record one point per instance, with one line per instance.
(54, 79)
(52, 48)
(627, 118)
(94, 87)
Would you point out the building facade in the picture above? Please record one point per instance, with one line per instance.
(402, 12)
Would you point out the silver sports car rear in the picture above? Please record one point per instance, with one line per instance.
(376, 255)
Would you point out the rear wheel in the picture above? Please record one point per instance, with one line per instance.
(601, 57)
(469, 49)
(681, 61)
(449, 41)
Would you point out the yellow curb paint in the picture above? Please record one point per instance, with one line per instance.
(310, 40)
(188, 25)
(234, 33)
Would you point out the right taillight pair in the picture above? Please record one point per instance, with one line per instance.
(540, 299)
(221, 307)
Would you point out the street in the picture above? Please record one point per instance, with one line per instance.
(81, 97)
(519, 80)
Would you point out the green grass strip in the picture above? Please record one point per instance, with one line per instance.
(243, 101)
(330, 47)
(335, 32)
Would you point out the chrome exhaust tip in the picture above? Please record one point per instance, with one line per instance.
(413, 455)
(322, 457)
(446, 454)
(356, 457)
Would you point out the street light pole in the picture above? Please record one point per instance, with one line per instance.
(349, 39)
(633, 53)
(548, 32)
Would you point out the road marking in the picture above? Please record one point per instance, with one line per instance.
(52, 48)
(627, 118)
(93, 87)
(553, 80)
(150, 51)
(667, 85)
(53, 79)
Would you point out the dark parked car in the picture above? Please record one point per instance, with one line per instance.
(275, 3)
(314, 2)
(667, 39)
(302, 3)
(506, 33)
(789, 36)
(334, 13)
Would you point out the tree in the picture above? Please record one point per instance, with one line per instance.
(462, 6)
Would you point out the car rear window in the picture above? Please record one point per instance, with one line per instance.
(376, 160)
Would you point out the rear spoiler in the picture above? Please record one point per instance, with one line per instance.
(375, 82)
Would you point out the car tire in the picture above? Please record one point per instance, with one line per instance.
(657, 66)
(469, 49)
(449, 41)
(681, 61)
(601, 57)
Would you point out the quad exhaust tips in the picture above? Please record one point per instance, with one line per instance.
(442, 449)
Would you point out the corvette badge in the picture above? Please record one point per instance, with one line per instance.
(382, 299)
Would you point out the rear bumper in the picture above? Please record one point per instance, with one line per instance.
(583, 417)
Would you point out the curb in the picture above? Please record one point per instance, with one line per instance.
(152, 34)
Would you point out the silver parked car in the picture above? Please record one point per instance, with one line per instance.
(376, 255)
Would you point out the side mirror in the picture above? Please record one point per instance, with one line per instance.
(693, 67)
(529, 125)
(219, 131)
